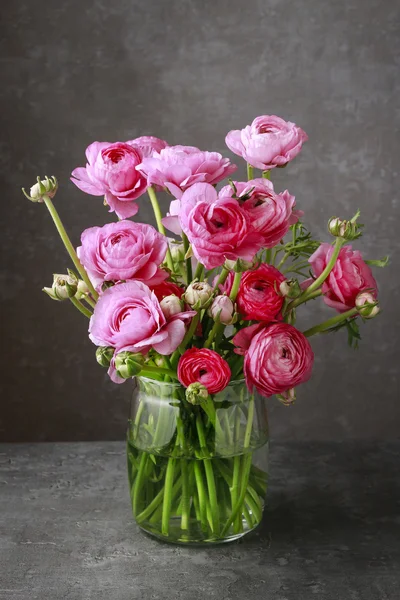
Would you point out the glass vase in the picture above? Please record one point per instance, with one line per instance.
(197, 473)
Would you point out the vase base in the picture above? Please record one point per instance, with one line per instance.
(194, 536)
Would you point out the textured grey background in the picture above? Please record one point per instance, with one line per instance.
(189, 71)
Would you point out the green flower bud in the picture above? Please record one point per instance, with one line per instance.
(104, 355)
(290, 288)
(45, 187)
(82, 290)
(239, 265)
(198, 295)
(348, 230)
(287, 398)
(128, 364)
(177, 252)
(171, 305)
(196, 393)
(64, 287)
(367, 305)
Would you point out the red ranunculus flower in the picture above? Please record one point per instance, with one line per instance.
(205, 366)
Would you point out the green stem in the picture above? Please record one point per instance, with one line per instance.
(85, 311)
(185, 494)
(159, 371)
(250, 172)
(331, 322)
(68, 245)
(331, 263)
(188, 261)
(198, 272)
(301, 300)
(139, 483)
(283, 260)
(201, 493)
(266, 174)
(212, 493)
(268, 254)
(188, 336)
(235, 287)
(221, 280)
(161, 228)
(166, 511)
(90, 301)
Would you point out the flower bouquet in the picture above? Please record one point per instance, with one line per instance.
(204, 317)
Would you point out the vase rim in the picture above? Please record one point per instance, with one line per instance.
(179, 384)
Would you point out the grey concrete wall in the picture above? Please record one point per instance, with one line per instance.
(189, 71)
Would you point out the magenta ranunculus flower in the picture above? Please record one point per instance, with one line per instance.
(217, 228)
(122, 251)
(268, 142)
(350, 276)
(271, 214)
(148, 144)
(179, 167)
(111, 172)
(204, 366)
(277, 357)
(258, 298)
(128, 316)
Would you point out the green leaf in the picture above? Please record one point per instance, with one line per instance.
(378, 263)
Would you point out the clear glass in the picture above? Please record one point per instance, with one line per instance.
(197, 473)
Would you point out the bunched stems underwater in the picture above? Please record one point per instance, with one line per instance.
(194, 479)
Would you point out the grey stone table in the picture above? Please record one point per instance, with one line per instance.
(332, 530)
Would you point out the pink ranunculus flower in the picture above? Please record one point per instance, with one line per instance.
(204, 366)
(111, 172)
(268, 142)
(147, 145)
(123, 251)
(128, 316)
(277, 357)
(350, 276)
(271, 214)
(217, 228)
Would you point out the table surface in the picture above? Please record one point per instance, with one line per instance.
(332, 530)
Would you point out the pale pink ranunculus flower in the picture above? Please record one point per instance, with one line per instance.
(123, 251)
(268, 142)
(128, 316)
(148, 145)
(179, 167)
(217, 228)
(277, 357)
(350, 276)
(111, 172)
(271, 214)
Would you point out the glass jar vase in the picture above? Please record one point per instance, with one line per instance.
(197, 473)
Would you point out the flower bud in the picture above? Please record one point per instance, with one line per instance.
(287, 398)
(104, 355)
(171, 305)
(290, 288)
(177, 252)
(82, 290)
(239, 265)
(347, 230)
(45, 187)
(198, 295)
(128, 364)
(367, 305)
(196, 393)
(223, 310)
(64, 287)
